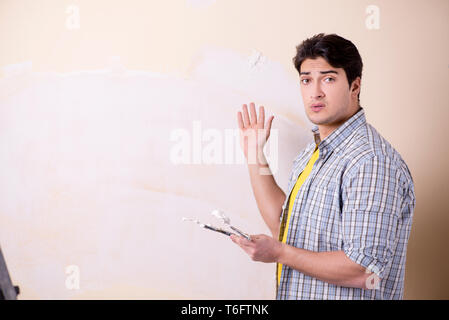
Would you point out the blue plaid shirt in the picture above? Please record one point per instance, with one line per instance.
(359, 198)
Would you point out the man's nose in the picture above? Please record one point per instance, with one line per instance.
(317, 92)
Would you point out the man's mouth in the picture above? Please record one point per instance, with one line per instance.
(317, 107)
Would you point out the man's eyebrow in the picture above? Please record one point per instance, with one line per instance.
(322, 72)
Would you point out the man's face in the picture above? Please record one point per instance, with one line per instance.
(327, 87)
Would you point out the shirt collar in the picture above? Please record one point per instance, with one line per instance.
(340, 134)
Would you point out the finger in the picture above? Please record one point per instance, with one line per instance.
(261, 115)
(240, 120)
(253, 113)
(242, 242)
(269, 122)
(245, 242)
(255, 237)
(245, 116)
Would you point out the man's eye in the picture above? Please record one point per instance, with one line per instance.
(305, 81)
(330, 79)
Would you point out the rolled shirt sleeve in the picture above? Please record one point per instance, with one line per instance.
(372, 199)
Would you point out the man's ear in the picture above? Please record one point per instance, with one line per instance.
(355, 87)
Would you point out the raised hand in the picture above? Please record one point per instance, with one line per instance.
(254, 133)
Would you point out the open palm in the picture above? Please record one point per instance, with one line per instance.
(254, 132)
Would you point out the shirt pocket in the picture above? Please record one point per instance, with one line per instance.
(322, 216)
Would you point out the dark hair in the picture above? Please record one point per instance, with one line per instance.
(337, 51)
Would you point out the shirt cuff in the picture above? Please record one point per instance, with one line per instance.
(367, 261)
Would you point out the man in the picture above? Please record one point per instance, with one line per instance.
(342, 232)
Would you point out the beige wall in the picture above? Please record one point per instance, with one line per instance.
(49, 212)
